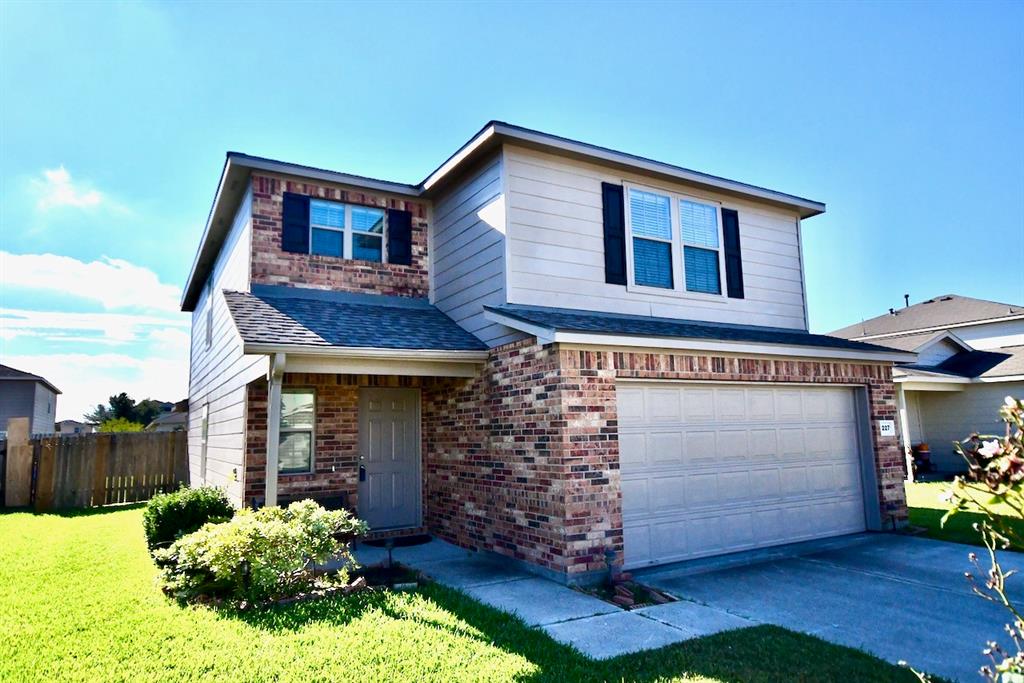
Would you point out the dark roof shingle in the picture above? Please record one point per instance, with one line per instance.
(9, 373)
(623, 324)
(292, 316)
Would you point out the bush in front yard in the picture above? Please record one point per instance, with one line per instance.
(169, 516)
(258, 556)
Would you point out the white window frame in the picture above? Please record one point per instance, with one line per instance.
(720, 249)
(678, 289)
(282, 431)
(347, 231)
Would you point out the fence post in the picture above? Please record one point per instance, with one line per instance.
(99, 477)
(18, 489)
(45, 476)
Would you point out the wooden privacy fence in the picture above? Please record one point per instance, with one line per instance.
(89, 470)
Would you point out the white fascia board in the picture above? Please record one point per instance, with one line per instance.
(369, 352)
(741, 348)
(1005, 378)
(940, 328)
(930, 379)
(917, 385)
(544, 335)
(460, 155)
(942, 336)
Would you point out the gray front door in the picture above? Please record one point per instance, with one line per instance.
(389, 458)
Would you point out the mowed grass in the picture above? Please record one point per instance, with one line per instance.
(926, 510)
(78, 602)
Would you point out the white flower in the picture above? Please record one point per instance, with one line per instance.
(990, 449)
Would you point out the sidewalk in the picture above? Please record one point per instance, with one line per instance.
(594, 627)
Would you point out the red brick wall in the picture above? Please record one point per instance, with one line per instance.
(336, 453)
(272, 266)
(523, 459)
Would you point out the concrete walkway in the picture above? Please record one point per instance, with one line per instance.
(594, 627)
(897, 597)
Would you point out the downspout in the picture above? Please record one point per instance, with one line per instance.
(901, 403)
(274, 378)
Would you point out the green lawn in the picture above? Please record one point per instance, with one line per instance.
(78, 602)
(927, 509)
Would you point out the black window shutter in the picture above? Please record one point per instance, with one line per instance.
(733, 259)
(295, 223)
(614, 234)
(399, 237)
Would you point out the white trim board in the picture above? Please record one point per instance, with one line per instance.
(547, 335)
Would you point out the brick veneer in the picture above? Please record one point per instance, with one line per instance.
(523, 459)
(273, 266)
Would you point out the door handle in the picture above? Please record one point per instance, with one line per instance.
(362, 473)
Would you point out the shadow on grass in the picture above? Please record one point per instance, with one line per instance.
(758, 654)
(74, 512)
(958, 529)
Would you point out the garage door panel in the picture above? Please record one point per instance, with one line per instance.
(730, 405)
(713, 469)
(699, 406)
(701, 448)
(665, 448)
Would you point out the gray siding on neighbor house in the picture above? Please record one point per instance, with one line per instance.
(44, 414)
(24, 398)
(947, 416)
(936, 353)
(219, 372)
(467, 254)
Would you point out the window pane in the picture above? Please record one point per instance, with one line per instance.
(652, 263)
(701, 270)
(293, 454)
(368, 220)
(649, 215)
(330, 214)
(367, 247)
(297, 410)
(700, 223)
(327, 242)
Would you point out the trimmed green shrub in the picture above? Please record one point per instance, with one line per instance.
(260, 555)
(169, 516)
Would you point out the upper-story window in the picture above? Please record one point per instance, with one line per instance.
(675, 242)
(346, 231)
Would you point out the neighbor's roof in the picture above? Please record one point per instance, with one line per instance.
(238, 166)
(561, 319)
(9, 373)
(281, 316)
(942, 311)
(1004, 362)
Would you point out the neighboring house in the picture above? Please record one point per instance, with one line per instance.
(174, 420)
(74, 427)
(548, 350)
(23, 394)
(970, 356)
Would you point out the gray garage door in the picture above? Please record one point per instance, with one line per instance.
(710, 469)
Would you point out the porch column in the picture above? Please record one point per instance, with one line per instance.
(274, 378)
(901, 403)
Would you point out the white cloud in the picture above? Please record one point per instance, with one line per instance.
(87, 380)
(108, 328)
(56, 189)
(114, 283)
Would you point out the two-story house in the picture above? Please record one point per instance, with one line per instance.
(970, 357)
(547, 349)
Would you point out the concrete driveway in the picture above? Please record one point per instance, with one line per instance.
(898, 597)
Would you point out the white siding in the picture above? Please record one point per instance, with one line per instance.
(948, 416)
(937, 352)
(993, 335)
(44, 411)
(467, 255)
(219, 373)
(556, 250)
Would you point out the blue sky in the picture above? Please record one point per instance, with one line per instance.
(906, 119)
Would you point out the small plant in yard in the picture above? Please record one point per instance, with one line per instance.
(260, 556)
(994, 483)
(169, 516)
